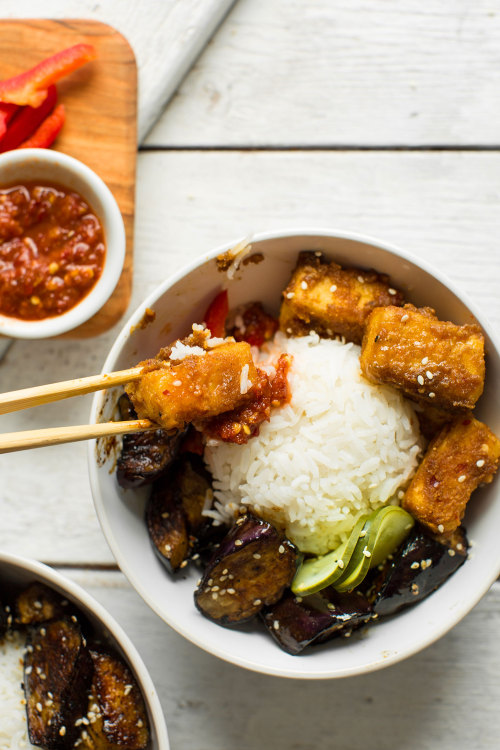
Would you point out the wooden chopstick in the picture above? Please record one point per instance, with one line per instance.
(19, 441)
(44, 394)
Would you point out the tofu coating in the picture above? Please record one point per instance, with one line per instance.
(428, 359)
(332, 300)
(173, 393)
(463, 455)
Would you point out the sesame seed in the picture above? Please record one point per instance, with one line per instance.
(39, 707)
(333, 288)
(432, 394)
(225, 572)
(420, 380)
(256, 556)
(238, 543)
(303, 284)
(210, 581)
(415, 565)
(215, 588)
(222, 579)
(361, 279)
(429, 374)
(401, 495)
(414, 589)
(289, 330)
(330, 605)
(451, 552)
(168, 548)
(281, 549)
(298, 599)
(363, 533)
(462, 478)
(366, 552)
(405, 317)
(290, 295)
(480, 463)
(140, 723)
(440, 528)
(257, 602)
(276, 624)
(183, 564)
(165, 515)
(37, 605)
(28, 670)
(177, 382)
(62, 731)
(231, 591)
(230, 576)
(392, 291)
(341, 564)
(460, 546)
(425, 360)
(215, 596)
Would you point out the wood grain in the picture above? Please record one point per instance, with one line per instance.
(100, 127)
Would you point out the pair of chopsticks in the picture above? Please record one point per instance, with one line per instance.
(45, 394)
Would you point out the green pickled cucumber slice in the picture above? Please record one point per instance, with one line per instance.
(316, 573)
(382, 533)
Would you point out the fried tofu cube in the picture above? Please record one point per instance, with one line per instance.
(463, 455)
(424, 357)
(203, 384)
(332, 300)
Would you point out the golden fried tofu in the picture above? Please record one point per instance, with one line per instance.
(463, 455)
(194, 383)
(426, 358)
(332, 300)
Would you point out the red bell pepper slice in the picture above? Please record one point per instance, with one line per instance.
(27, 121)
(215, 316)
(31, 86)
(45, 135)
(7, 112)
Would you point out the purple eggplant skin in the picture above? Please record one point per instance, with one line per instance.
(299, 622)
(251, 568)
(146, 456)
(422, 565)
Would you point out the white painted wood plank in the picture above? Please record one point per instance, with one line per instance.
(442, 207)
(398, 72)
(166, 35)
(446, 697)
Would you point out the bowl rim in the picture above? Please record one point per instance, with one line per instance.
(51, 576)
(112, 221)
(293, 672)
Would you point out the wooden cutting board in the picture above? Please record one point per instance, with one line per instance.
(101, 120)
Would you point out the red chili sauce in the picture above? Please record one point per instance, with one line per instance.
(52, 250)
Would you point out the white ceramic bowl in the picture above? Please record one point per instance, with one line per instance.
(39, 164)
(182, 300)
(17, 571)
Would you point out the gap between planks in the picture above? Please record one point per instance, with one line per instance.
(324, 147)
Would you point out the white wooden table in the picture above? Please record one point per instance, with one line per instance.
(380, 117)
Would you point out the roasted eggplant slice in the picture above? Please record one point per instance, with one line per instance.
(174, 511)
(166, 522)
(298, 622)
(38, 603)
(145, 456)
(422, 565)
(116, 712)
(57, 676)
(251, 568)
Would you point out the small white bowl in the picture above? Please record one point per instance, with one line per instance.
(45, 165)
(19, 572)
(181, 300)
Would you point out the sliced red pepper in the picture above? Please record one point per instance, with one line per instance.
(7, 112)
(31, 86)
(45, 135)
(27, 121)
(215, 316)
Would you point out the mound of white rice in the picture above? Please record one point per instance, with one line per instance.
(341, 448)
(13, 724)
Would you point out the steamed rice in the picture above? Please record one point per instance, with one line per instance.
(13, 725)
(341, 448)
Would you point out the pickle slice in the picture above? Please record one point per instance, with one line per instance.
(383, 532)
(316, 573)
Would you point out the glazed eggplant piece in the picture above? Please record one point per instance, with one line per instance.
(57, 676)
(422, 565)
(298, 622)
(145, 456)
(174, 510)
(251, 568)
(38, 603)
(116, 711)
